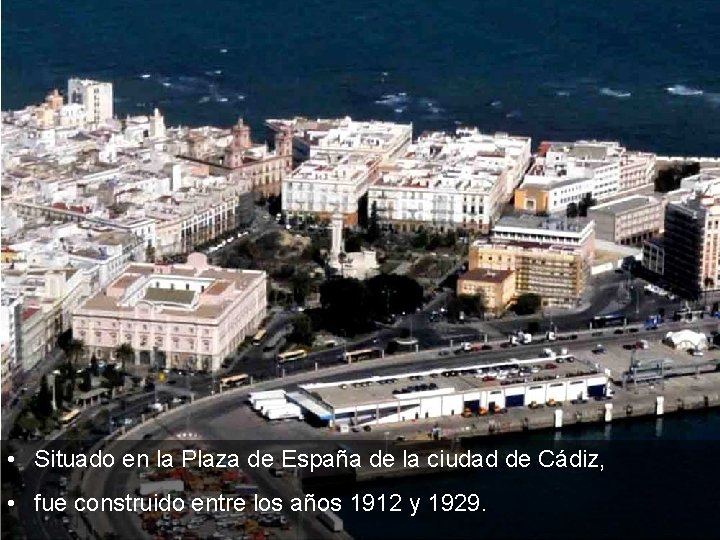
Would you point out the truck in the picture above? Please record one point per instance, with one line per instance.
(550, 336)
(524, 338)
(466, 346)
(652, 322)
(263, 404)
(285, 412)
(267, 394)
(331, 520)
(548, 353)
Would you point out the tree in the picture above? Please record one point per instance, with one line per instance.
(392, 294)
(527, 304)
(125, 353)
(86, 381)
(94, 366)
(345, 305)
(585, 203)
(373, 232)
(450, 239)
(473, 305)
(670, 178)
(113, 377)
(274, 204)
(362, 214)
(420, 239)
(150, 253)
(59, 391)
(42, 402)
(302, 331)
(76, 349)
(572, 210)
(300, 282)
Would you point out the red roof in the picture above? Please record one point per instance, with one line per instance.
(543, 148)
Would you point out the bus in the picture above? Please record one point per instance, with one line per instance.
(613, 319)
(290, 356)
(362, 354)
(69, 417)
(257, 339)
(232, 381)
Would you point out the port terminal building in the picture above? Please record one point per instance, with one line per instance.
(469, 390)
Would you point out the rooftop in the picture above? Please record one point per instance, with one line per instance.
(487, 275)
(624, 205)
(531, 221)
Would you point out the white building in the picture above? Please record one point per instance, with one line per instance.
(441, 392)
(189, 315)
(450, 181)
(10, 334)
(324, 185)
(565, 173)
(95, 96)
(340, 136)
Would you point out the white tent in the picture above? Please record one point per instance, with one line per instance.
(686, 339)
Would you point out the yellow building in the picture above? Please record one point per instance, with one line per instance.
(557, 273)
(496, 286)
(532, 198)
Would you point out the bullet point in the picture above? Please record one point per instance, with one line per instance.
(11, 503)
(11, 459)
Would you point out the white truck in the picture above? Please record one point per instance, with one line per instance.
(331, 520)
(263, 404)
(267, 394)
(286, 412)
(524, 338)
(548, 353)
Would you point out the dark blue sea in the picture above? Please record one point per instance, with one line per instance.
(659, 480)
(646, 72)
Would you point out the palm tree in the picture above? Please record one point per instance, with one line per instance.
(125, 353)
(76, 349)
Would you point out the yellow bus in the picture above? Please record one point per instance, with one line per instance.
(289, 356)
(231, 381)
(257, 339)
(362, 354)
(69, 417)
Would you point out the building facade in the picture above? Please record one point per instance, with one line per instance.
(691, 244)
(497, 287)
(95, 97)
(557, 273)
(447, 182)
(628, 221)
(188, 315)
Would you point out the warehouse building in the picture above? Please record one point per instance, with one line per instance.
(436, 393)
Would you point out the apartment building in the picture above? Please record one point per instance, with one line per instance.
(324, 185)
(691, 244)
(578, 233)
(565, 173)
(497, 287)
(445, 182)
(628, 221)
(95, 97)
(189, 315)
(557, 273)
(340, 136)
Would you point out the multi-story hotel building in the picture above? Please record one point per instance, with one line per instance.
(628, 221)
(557, 273)
(187, 315)
(448, 182)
